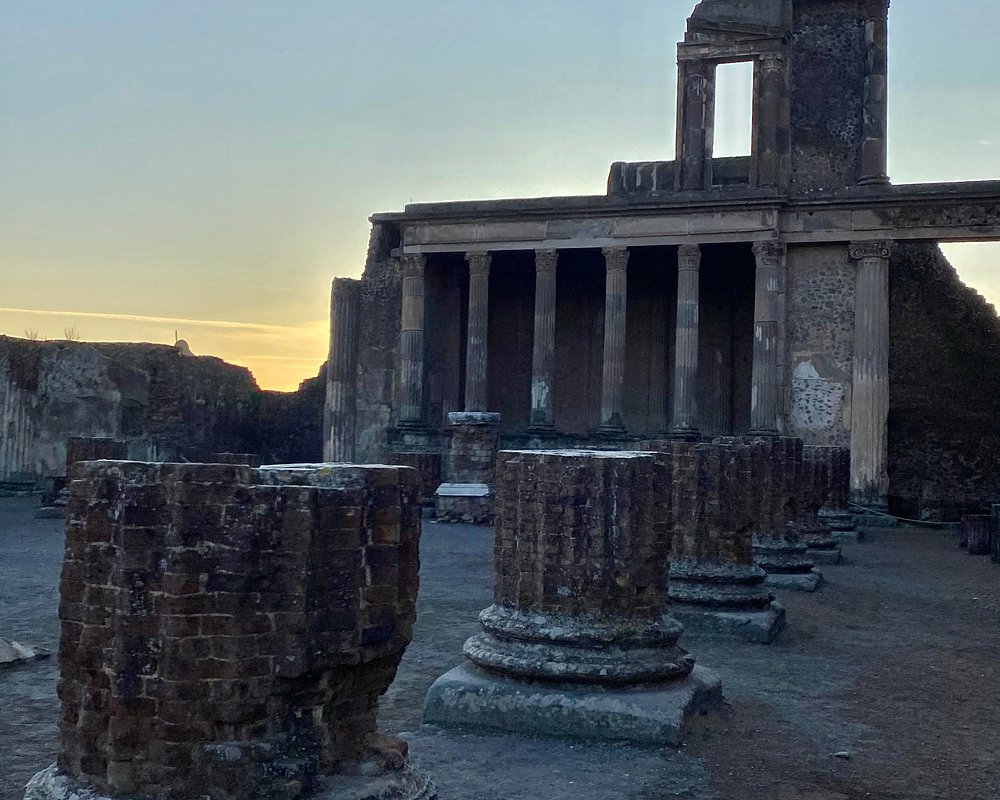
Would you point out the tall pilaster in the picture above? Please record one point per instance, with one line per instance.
(341, 371)
(615, 308)
(476, 358)
(772, 133)
(870, 403)
(411, 407)
(544, 347)
(874, 149)
(765, 405)
(695, 123)
(686, 358)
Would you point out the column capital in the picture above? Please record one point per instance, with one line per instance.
(413, 265)
(881, 248)
(546, 260)
(479, 262)
(689, 257)
(616, 258)
(769, 252)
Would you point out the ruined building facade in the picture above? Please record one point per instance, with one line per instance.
(784, 292)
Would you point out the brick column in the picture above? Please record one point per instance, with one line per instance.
(765, 407)
(411, 345)
(476, 356)
(686, 359)
(814, 532)
(341, 371)
(544, 347)
(870, 396)
(615, 313)
(181, 677)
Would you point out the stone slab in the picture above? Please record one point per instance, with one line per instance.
(799, 582)
(15, 652)
(406, 784)
(761, 627)
(848, 537)
(469, 698)
(463, 490)
(50, 512)
(827, 556)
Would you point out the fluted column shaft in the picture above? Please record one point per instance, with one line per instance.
(686, 358)
(476, 357)
(870, 403)
(615, 308)
(766, 377)
(341, 371)
(411, 409)
(658, 370)
(544, 347)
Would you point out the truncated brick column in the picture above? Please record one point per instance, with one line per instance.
(467, 492)
(341, 371)
(817, 466)
(578, 642)
(686, 358)
(836, 509)
(227, 631)
(716, 495)
(777, 547)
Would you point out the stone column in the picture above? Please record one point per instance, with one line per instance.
(476, 356)
(874, 149)
(580, 616)
(695, 122)
(615, 313)
(772, 131)
(341, 371)
(658, 346)
(411, 343)
(870, 402)
(544, 349)
(765, 403)
(686, 359)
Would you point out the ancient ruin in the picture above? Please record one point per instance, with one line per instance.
(703, 295)
(579, 641)
(227, 631)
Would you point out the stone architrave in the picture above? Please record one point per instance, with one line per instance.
(716, 495)
(341, 371)
(685, 424)
(227, 631)
(477, 351)
(578, 642)
(777, 548)
(411, 343)
(615, 316)
(870, 395)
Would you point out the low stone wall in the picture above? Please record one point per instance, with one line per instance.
(227, 631)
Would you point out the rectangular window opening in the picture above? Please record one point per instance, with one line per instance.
(733, 110)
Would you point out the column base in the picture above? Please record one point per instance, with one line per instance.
(848, 537)
(684, 434)
(760, 626)
(470, 698)
(405, 784)
(795, 581)
(769, 432)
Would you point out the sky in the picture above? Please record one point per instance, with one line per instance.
(202, 168)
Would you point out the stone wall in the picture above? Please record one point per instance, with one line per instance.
(227, 631)
(165, 405)
(819, 302)
(944, 385)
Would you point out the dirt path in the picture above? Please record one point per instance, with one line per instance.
(896, 661)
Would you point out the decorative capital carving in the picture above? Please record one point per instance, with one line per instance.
(615, 258)
(873, 249)
(479, 262)
(546, 260)
(413, 265)
(769, 253)
(689, 256)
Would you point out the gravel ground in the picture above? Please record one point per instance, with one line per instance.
(896, 662)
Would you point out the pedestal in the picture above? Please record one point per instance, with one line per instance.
(466, 495)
